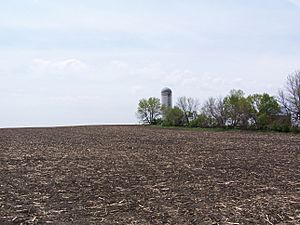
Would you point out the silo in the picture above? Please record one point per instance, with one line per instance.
(166, 97)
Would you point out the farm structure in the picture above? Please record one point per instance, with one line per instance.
(166, 97)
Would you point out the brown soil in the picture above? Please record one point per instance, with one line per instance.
(144, 175)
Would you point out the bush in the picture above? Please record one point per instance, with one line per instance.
(281, 124)
(281, 128)
(201, 121)
(173, 117)
(157, 121)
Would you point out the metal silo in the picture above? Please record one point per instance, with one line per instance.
(166, 97)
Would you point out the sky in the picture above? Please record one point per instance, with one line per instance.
(71, 62)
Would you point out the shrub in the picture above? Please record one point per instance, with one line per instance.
(201, 121)
(173, 117)
(280, 123)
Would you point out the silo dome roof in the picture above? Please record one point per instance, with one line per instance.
(166, 90)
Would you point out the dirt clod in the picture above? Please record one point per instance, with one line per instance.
(144, 175)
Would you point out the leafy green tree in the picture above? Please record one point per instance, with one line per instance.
(173, 117)
(149, 110)
(238, 109)
(266, 108)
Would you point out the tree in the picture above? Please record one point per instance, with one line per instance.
(266, 107)
(173, 117)
(265, 104)
(238, 109)
(213, 108)
(290, 97)
(189, 107)
(148, 110)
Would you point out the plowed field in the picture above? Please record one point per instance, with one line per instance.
(144, 175)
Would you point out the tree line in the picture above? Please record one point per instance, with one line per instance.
(235, 110)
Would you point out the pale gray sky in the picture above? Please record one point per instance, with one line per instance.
(65, 62)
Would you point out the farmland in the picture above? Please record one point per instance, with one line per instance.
(146, 175)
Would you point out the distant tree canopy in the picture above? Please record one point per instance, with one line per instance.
(149, 110)
(235, 110)
(265, 108)
(238, 109)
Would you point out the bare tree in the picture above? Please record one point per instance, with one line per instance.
(189, 106)
(214, 108)
(290, 97)
(282, 100)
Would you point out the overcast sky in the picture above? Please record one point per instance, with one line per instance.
(65, 62)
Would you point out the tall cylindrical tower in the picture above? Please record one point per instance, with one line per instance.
(166, 97)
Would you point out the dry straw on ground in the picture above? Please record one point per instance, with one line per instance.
(143, 175)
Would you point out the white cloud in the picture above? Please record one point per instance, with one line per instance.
(67, 64)
(60, 68)
(295, 2)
